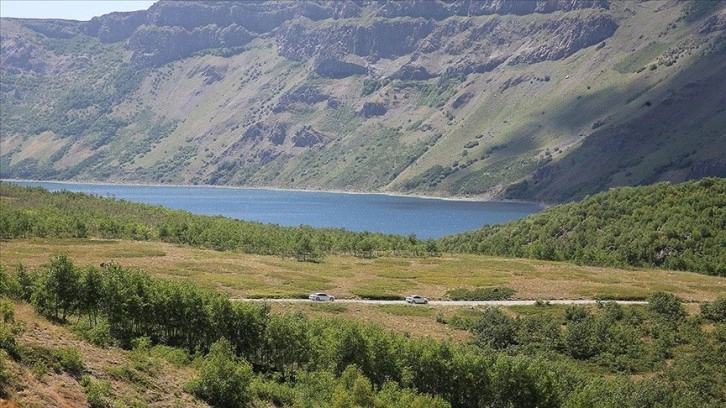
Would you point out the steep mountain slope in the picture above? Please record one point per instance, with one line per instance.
(546, 100)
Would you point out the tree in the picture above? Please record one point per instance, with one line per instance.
(56, 295)
(223, 379)
(92, 292)
(495, 329)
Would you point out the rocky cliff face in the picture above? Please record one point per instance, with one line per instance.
(457, 97)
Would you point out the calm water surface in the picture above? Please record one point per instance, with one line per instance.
(425, 217)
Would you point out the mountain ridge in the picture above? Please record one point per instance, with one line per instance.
(471, 99)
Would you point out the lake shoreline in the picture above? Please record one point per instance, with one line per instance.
(477, 199)
(388, 213)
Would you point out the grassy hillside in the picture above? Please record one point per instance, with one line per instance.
(546, 105)
(678, 226)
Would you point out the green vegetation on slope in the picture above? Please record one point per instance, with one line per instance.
(680, 227)
(545, 356)
(35, 212)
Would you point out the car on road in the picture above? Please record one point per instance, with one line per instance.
(321, 297)
(417, 299)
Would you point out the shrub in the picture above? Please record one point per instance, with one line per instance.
(223, 379)
(5, 375)
(576, 313)
(97, 392)
(7, 311)
(280, 394)
(495, 329)
(480, 294)
(70, 360)
(715, 311)
(667, 306)
(99, 335)
(377, 296)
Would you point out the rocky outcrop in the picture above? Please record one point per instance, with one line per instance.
(115, 27)
(156, 45)
(382, 39)
(371, 109)
(275, 133)
(412, 72)
(565, 37)
(336, 69)
(502, 7)
(21, 55)
(440, 10)
(707, 168)
(306, 94)
(713, 24)
(468, 65)
(307, 137)
(278, 133)
(255, 132)
(462, 100)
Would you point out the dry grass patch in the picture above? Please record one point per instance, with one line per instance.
(241, 275)
(162, 383)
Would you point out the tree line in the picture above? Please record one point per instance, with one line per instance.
(34, 212)
(545, 359)
(680, 227)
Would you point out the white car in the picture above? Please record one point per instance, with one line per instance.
(321, 297)
(417, 299)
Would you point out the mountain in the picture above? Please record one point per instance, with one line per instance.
(546, 100)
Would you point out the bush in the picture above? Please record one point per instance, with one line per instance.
(99, 335)
(495, 329)
(97, 392)
(70, 360)
(280, 394)
(7, 311)
(223, 379)
(5, 375)
(378, 296)
(480, 294)
(667, 306)
(715, 311)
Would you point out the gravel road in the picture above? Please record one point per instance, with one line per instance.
(449, 302)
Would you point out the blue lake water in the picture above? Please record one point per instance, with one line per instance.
(425, 217)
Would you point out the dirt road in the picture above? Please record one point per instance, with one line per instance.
(450, 302)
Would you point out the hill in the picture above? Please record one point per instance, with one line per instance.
(669, 226)
(546, 100)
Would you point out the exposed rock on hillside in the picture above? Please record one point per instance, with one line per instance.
(308, 95)
(20, 55)
(544, 99)
(307, 137)
(567, 36)
(336, 69)
(371, 109)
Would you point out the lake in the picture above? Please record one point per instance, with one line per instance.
(424, 217)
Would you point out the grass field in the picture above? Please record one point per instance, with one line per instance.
(244, 275)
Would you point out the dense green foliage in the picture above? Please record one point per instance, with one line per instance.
(223, 379)
(35, 212)
(680, 227)
(552, 357)
(495, 293)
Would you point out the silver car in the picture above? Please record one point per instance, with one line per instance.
(321, 297)
(417, 299)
